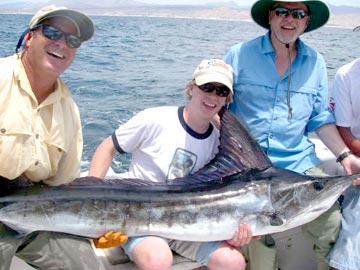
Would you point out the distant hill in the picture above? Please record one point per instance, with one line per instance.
(343, 16)
(344, 9)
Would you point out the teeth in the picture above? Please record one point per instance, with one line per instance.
(57, 54)
(210, 105)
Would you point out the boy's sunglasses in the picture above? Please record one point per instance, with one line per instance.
(54, 33)
(295, 13)
(221, 91)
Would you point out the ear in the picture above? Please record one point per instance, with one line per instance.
(307, 21)
(190, 89)
(27, 39)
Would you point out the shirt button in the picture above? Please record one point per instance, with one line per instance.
(36, 163)
(59, 149)
(37, 136)
(275, 118)
(3, 130)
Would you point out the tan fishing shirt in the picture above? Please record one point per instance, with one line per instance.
(43, 142)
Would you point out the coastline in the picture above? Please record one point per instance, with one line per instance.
(342, 20)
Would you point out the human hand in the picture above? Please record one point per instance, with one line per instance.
(351, 165)
(111, 239)
(242, 236)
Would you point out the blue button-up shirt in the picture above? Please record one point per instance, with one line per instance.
(260, 98)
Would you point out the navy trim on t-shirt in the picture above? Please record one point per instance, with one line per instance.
(116, 144)
(200, 136)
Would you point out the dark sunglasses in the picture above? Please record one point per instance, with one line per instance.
(295, 13)
(54, 33)
(221, 91)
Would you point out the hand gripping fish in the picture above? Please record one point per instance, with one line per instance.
(239, 186)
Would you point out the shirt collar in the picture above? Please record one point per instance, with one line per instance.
(267, 46)
(61, 90)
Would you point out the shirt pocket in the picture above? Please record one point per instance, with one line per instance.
(302, 100)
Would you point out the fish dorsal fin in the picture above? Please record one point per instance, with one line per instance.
(238, 152)
(237, 140)
(124, 182)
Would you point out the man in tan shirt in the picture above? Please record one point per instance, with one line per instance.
(40, 131)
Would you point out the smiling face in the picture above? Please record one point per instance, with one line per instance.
(206, 104)
(287, 29)
(49, 57)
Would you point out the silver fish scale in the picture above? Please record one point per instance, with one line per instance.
(168, 218)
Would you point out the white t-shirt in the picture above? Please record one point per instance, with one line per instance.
(163, 147)
(346, 97)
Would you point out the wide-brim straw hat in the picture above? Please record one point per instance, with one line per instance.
(319, 12)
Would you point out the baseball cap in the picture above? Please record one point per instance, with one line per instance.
(82, 22)
(214, 70)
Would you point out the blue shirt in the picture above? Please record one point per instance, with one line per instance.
(260, 98)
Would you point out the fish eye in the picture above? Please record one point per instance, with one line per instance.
(318, 185)
(275, 220)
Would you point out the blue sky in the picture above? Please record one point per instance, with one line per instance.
(355, 3)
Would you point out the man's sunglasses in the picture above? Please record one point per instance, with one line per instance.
(54, 33)
(295, 13)
(221, 91)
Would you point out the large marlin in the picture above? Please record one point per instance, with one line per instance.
(239, 186)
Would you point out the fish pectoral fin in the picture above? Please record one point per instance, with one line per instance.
(275, 220)
(111, 239)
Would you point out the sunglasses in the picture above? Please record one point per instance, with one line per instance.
(54, 33)
(221, 91)
(295, 13)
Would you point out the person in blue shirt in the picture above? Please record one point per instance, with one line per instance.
(281, 91)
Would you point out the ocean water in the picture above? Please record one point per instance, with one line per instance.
(134, 63)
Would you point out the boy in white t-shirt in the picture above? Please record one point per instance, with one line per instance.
(170, 142)
(345, 101)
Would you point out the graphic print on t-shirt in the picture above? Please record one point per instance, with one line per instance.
(182, 164)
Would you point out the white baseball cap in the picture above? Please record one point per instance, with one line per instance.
(214, 70)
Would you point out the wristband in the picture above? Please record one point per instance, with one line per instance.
(343, 156)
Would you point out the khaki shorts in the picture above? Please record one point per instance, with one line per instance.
(196, 251)
(48, 250)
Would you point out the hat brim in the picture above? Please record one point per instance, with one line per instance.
(84, 23)
(319, 13)
(214, 78)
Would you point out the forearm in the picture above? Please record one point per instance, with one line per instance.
(330, 136)
(99, 166)
(102, 158)
(350, 140)
(332, 139)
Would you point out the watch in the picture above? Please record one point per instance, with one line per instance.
(343, 156)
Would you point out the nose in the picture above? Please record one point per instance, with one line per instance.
(62, 41)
